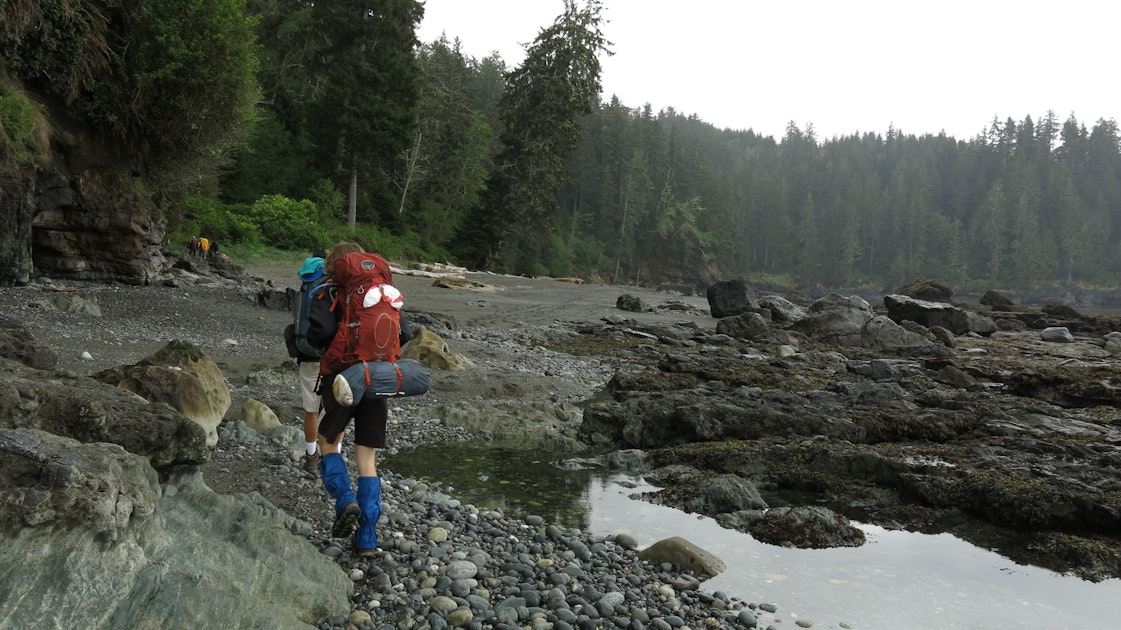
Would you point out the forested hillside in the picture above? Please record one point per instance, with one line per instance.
(420, 151)
(1025, 204)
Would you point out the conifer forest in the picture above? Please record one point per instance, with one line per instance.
(358, 130)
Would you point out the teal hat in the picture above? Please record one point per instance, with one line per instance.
(311, 269)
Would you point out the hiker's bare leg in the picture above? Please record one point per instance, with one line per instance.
(367, 459)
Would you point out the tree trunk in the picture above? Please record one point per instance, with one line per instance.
(352, 202)
(411, 171)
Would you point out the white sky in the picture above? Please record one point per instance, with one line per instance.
(844, 66)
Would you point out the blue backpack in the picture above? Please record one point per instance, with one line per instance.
(313, 286)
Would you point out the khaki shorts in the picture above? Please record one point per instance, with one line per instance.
(309, 375)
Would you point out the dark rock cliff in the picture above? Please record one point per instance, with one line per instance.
(79, 212)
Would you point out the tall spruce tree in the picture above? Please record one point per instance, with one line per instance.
(451, 144)
(364, 110)
(545, 98)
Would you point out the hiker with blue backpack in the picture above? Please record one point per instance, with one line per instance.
(361, 327)
(313, 278)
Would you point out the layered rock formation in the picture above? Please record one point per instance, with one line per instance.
(99, 226)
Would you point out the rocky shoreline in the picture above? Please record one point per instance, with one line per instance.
(912, 427)
(442, 563)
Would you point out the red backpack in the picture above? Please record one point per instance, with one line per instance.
(370, 323)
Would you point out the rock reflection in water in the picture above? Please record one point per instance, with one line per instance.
(897, 580)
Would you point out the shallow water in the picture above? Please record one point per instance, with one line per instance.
(896, 580)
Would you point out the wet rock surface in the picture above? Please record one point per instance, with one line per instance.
(1017, 437)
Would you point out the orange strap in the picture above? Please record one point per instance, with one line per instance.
(400, 377)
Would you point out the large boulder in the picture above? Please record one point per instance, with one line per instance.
(53, 480)
(277, 299)
(98, 227)
(731, 297)
(881, 333)
(17, 343)
(70, 303)
(181, 375)
(694, 415)
(806, 527)
(431, 350)
(1069, 385)
(541, 424)
(628, 302)
(836, 320)
(92, 540)
(17, 209)
(750, 326)
(702, 493)
(782, 310)
(1056, 334)
(68, 404)
(926, 289)
(955, 319)
(997, 301)
(258, 416)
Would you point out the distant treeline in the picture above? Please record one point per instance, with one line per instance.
(1025, 204)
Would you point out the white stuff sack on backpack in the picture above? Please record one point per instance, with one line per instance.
(388, 292)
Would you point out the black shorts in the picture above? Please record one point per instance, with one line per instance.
(370, 417)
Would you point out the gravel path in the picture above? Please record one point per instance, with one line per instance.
(442, 563)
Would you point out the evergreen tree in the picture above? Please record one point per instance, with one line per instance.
(451, 147)
(810, 259)
(546, 97)
(364, 109)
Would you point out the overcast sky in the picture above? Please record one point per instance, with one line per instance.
(844, 66)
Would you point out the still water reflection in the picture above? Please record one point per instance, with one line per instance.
(896, 580)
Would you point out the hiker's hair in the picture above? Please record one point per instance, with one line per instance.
(337, 251)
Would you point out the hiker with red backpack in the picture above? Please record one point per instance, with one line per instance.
(362, 323)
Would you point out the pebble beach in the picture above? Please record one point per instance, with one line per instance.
(445, 564)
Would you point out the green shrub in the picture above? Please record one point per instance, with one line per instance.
(371, 237)
(288, 224)
(329, 200)
(392, 246)
(558, 257)
(206, 216)
(264, 256)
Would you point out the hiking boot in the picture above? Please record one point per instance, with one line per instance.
(311, 462)
(347, 521)
(367, 553)
(341, 389)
